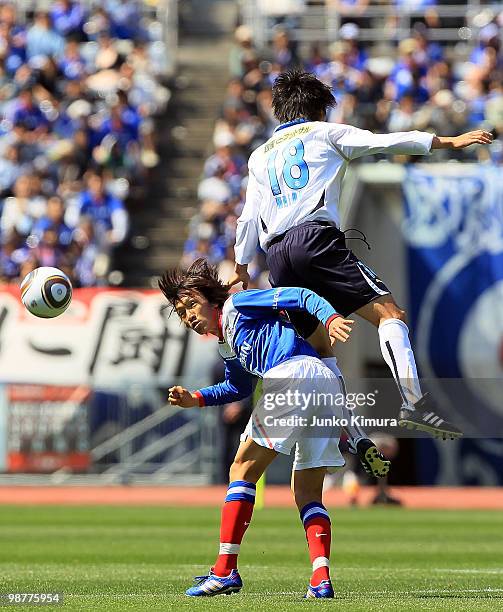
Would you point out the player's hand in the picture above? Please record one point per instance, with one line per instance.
(477, 137)
(240, 276)
(339, 330)
(179, 396)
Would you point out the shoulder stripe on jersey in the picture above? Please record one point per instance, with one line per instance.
(230, 317)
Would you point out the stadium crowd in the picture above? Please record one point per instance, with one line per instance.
(79, 88)
(420, 85)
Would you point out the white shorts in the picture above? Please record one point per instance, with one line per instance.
(296, 397)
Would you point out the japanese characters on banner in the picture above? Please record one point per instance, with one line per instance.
(107, 338)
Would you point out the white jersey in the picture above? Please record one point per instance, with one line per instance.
(296, 176)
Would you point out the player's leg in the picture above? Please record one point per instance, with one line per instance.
(372, 460)
(320, 341)
(307, 487)
(418, 411)
(317, 450)
(316, 257)
(396, 349)
(249, 464)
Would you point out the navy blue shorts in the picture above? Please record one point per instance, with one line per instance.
(314, 255)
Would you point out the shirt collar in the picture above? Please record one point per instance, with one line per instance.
(289, 123)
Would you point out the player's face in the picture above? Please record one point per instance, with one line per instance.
(197, 313)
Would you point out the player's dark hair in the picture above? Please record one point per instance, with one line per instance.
(297, 94)
(200, 276)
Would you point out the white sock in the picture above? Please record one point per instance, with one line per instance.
(354, 431)
(397, 353)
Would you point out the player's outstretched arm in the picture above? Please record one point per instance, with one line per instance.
(463, 140)
(179, 396)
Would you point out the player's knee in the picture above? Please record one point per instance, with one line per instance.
(392, 311)
(243, 470)
(400, 314)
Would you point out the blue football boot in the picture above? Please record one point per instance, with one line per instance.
(207, 586)
(323, 591)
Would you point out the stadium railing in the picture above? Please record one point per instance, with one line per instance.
(103, 436)
(321, 23)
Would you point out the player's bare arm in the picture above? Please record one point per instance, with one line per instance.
(463, 140)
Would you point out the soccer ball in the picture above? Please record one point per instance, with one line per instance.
(46, 292)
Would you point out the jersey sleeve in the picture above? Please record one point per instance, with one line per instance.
(238, 385)
(257, 303)
(351, 142)
(247, 232)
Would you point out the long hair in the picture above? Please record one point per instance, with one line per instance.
(297, 94)
(200, 276)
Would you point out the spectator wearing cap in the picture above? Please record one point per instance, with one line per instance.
(42, 39)
(357, 57)
(242, 46)
(68, 18)
(489, 38)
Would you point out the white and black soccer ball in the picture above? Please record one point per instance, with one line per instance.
(46, 292)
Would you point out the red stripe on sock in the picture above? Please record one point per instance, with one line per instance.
(318, 535)
(236, 516)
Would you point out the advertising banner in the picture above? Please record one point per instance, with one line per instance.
(453, 227)
(106, 338)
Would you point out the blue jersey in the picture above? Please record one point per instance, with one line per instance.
(256, 337)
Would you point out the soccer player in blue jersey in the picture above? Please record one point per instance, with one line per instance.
(255, 340)
(291, 209)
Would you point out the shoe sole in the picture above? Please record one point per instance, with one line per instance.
(309, 596)
(378, 466)
(229, 591)
(437, 433)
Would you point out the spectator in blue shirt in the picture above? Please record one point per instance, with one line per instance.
(125, 18)
(28, 113)
(42, 39)
(107, 212)
(72, 64)
(53, 219)
(67, 17)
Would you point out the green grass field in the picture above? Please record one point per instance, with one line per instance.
(107, 558)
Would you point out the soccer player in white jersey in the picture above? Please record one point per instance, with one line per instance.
(291, 209)
(255, 340)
